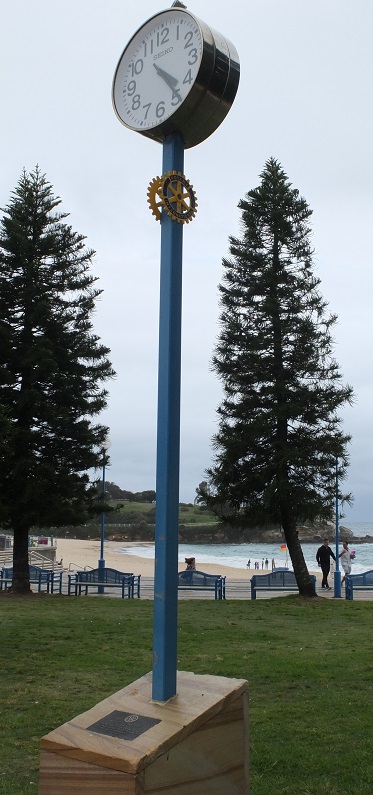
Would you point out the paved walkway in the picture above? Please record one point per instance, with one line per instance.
(234, 589)
(240, 589)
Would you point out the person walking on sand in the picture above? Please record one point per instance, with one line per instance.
(345, 556)
(323, 555)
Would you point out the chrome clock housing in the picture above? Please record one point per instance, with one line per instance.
(176, 74)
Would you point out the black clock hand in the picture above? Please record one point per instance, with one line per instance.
(171, 81)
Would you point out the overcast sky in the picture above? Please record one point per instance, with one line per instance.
(305, 98)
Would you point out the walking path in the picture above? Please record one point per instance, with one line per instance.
(234, 589)
(240, 589)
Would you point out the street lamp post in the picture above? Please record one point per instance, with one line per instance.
(337, 573)
(101, 561)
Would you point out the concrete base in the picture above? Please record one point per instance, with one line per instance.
(128, 744)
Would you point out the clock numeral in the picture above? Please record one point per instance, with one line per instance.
(148, 46)
(163, 37)
(193, 57)
(147, 109)
(188, 39)
(176, 98)
(188, 77)
(160, 110)
(137, 67)
(131, 88)
(136, 102)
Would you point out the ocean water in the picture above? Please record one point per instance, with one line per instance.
(237, 555)
(359, 528)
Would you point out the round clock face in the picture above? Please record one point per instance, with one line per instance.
(157, 70)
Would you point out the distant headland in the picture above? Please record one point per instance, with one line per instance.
(308, 534)
(130, 517)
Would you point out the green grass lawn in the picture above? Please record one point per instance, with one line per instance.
(309, 667)
(188, 514)
(134, 517)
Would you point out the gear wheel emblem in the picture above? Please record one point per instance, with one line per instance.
(179, 199)
(155, 199)
(175, 193)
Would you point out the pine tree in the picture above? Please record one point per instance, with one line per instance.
(52, 369)
(279, 432)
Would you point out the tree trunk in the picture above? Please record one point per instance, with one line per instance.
(302, 576)
(21, 575)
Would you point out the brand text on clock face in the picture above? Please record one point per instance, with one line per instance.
(160, 54)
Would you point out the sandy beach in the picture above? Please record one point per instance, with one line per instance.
(76, 554)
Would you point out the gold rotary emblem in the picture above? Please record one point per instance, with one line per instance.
(155, 197)
(175, 194)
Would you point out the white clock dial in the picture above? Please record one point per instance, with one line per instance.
(157, 70)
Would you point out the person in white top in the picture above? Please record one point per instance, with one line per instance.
(345, 557)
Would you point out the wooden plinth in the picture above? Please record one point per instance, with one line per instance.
(197, 743)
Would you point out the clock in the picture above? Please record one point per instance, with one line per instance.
(176, 74)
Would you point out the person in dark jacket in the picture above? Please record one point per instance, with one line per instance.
(323, 555)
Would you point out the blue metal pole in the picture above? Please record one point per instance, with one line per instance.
(101, 562)
(337, 573)
(168, 444)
